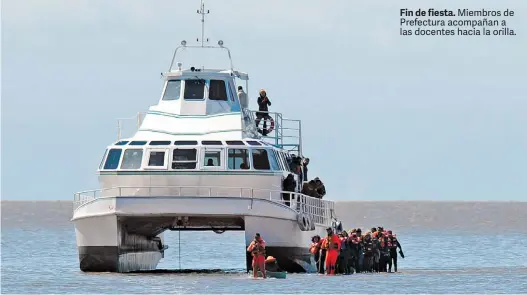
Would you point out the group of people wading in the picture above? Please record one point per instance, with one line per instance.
(374, 251)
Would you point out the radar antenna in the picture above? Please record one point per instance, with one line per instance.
(203, 13)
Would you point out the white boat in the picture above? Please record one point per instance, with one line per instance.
(183, 170)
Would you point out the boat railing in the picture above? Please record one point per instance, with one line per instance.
(322, 211)
(286, 134)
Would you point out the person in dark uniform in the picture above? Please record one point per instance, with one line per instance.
(289, 185)
(263, 103)
(394, 244)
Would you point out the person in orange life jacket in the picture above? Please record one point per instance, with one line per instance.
(394, 243)
(263, 102)
(368, 253)
(354, 243)
(376, 251)
(332, 245)
(317, 252)
(385, 253)
(257, 249)
(360, 265)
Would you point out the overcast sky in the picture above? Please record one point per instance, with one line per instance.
(385, 117)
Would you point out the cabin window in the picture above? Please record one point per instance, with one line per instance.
(194, 89)
(112, 161)
(184, 159)
(212, 159)
(160, 142)
(261, 160)
(211, 142)
(253, 142)
(132, 159)
(102, 160)
(273, 160)
(157, 159)
(239, 159)
(217, 90)
(121, 143)
(172, 90)
(234, 142)
(137, 143)
(185, 142)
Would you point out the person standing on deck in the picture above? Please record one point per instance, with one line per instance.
(263, 103)
(244, 105)
(304, 172)
(257, 249)
(242, 96)
(288, 185)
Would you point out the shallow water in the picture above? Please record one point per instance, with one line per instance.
(39, 255)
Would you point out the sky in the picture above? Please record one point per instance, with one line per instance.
(384, 116)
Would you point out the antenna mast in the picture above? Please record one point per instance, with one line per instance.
(203, 13)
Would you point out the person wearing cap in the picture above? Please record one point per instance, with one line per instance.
(332, 245)
(263, 103)
(257, 249)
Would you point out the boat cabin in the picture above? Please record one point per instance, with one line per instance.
(200, 92)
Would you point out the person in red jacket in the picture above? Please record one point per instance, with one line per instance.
(332, 244)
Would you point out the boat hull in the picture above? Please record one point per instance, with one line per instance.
(123, 234)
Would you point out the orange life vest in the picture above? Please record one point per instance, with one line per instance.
(331, 242)
(258, 250)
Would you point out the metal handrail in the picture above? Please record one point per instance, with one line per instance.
(279, 134)
(202, 47)
(318, 208)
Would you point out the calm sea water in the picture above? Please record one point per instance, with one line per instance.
(449, 247)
